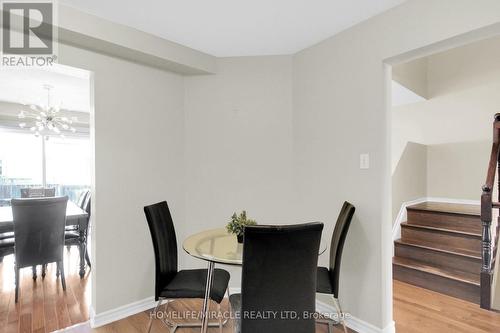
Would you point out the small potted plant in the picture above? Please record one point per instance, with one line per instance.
(238, 224)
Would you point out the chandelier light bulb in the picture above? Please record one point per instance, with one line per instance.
(46, 118)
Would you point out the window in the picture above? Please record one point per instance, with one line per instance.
(67, 164)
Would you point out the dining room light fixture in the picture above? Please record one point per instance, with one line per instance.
(46, 120)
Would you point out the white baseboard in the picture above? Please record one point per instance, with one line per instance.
(396, 228)
(354, 323)
(455, 201)
(76, 327)
(98, 320)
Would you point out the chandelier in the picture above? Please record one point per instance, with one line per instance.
(46, 120)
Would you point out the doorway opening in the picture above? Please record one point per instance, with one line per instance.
(45, 151)
(443, 106)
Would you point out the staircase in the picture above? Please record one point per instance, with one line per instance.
(440, 249)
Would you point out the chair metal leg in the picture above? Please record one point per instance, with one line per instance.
(153, 314)
(63, 279)
(173, 326)
(340, 313)
(220, 317)
(44, 271)
(16, 269)
(33, 269)
(327, 322)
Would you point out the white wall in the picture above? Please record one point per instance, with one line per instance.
(340, 111)
(238, 150)
(463, 89)
(239, 145)
(409, 180)
(139, 160)
(457, 170)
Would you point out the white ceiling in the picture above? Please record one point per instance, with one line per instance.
(71, 87)
(238, 27)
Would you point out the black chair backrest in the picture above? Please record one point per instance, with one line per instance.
(82, 199)
(49, 192)
(39, 230)
(162, 231)
(337, 245)
(279, 275)
(87, 204)
(38, 192)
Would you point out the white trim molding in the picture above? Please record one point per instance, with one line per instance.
(402, 216)
(354, 323)
(106, 317)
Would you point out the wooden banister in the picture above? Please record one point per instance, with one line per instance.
(489, 245)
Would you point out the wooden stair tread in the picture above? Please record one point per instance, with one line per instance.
(450, 208)
(444, 249)
(441, 229)
(451, 274)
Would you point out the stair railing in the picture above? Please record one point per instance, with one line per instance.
(490, 245)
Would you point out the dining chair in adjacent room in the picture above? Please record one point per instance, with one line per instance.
(81, 199)
(39, 234)
(328, 277)
(38, 192)
(170, 283)
(77, 235)
(6, 245)
(278, 277)
(80, 203)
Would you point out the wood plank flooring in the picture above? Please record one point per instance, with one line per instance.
(43, 306)
(138, 323)
(416, 310)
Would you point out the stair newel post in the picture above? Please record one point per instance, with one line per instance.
(486, 218)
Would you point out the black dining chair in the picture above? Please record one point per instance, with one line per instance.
(77, 235)
(278, 277)
(39, 234)
(170, 283)
(6, 245)
(80, 203)
(328, 278)
(38, 192)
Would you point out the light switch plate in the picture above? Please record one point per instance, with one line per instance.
(364, 161)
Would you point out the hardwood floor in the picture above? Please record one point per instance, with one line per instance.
(43, 306)
(416, 310)
(139, 322)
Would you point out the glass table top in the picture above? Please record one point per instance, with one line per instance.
(219, 246)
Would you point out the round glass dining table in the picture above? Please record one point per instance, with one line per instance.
(217, 246)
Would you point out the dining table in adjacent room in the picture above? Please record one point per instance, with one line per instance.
(74, 216)
(217, 246)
